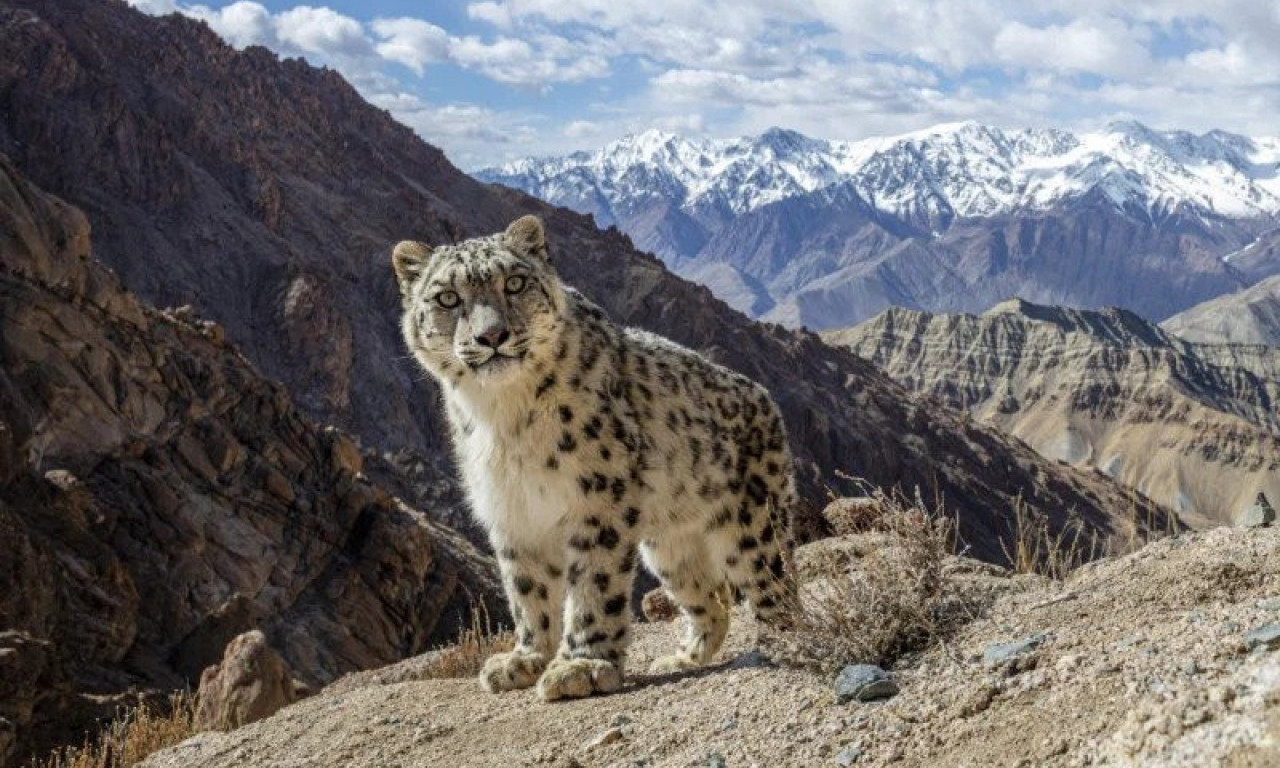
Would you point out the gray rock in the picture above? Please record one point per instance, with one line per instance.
(715, 760)
(752, 660)
(1260, 515)
(1270, 604)
(999, 653)
(1267, 637)
(848, 756)
(864, 682)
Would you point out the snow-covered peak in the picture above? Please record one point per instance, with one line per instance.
(931, 176)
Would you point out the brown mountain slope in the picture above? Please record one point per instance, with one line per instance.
(266, 193)
(1193, 426)
(158, 497)
(1249, 316)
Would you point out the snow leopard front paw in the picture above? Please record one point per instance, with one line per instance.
(578, 678)
(512, 670)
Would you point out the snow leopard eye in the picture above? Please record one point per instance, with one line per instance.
(515, 284)
(448, 299)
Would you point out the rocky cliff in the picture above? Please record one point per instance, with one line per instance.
(158, 497)
(1193, 426)
(266, 194)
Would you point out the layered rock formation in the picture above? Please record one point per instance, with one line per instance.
(1250, 316)
(1193, 426)
(159, 497)
(266, 194)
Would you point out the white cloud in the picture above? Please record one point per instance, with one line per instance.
(241, 24)
(493, 13)
(411, 42)
(323, 31)
(1105, 47)
(839, 68)
(581, 129)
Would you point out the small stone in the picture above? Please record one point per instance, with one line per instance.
(848, 756)
(1260, 515)
(1267, 637)
(1069, 662)
(715, 760)
(752, 660)
(726, 724)
(1270, 604)
(620, 720)
(607, 737)
(864, 682)
(998, 653)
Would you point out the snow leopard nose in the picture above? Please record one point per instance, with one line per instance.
(493, 337)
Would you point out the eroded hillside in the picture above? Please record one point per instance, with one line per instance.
(1193, 426)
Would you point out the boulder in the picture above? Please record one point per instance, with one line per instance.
(250, 683)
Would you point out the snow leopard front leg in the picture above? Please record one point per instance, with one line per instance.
(534, 583)
(601, 560)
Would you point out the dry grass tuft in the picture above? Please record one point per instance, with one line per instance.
(1036, 548)
(131, 737)
(875, 603)
(467, 654)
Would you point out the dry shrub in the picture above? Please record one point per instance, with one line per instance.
(467, 654)
(1036, 548)
(131, 737)
(875, 603)
(856, 514)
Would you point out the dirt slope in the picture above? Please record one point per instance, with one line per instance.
(1140, 665)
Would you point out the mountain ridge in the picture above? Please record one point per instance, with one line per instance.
(950, 218)
(1193, 425)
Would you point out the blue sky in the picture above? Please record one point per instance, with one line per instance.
(496, 79)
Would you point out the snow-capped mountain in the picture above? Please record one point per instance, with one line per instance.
(707, 205)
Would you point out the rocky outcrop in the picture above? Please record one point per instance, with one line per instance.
(266, 194)
(250, 683)
(1250, 316)
(1194, 426)
(159, 497)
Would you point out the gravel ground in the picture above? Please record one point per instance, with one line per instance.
(1143, 660)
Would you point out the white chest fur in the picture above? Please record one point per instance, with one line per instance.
(502, 454)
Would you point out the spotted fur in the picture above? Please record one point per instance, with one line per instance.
(586, 448)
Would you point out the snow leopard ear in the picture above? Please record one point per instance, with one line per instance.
(409, 259)
(526, 236)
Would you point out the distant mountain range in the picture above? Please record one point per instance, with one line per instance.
(1193, 426)
(953, 218)
(1250, 316)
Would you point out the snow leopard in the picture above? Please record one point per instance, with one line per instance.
(585, 447)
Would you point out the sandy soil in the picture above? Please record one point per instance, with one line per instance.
(1145, 662)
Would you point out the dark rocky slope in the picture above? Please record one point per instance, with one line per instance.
(158, 497)
(266, 193)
